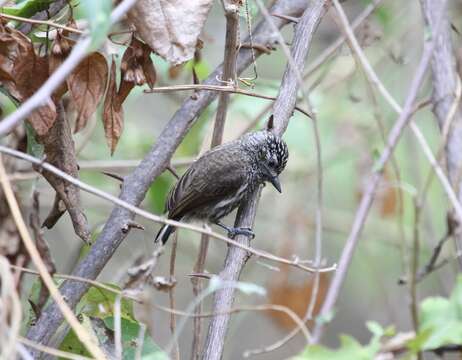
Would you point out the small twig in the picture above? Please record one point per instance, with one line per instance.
(197, 289)
(221, 88)
(413, 272)
(42, 22)
(175, 353)
(80, 331)
(153, 217)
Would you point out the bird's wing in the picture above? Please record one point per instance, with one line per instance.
(214, 176)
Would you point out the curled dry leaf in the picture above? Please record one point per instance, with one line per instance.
(22, 73)
(60, 48)
(170, 27)
(86, 85)
(113, 117)
(136, 68)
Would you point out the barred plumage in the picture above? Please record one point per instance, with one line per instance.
(217, 182)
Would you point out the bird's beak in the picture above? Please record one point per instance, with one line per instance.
(276, 183)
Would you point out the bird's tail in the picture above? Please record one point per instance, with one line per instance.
(164, 233)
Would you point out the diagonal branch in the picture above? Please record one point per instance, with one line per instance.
(136, 185)
(404, 119)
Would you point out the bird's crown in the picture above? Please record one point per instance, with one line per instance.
(271, 149)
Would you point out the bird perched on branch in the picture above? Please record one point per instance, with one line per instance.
(222, 178)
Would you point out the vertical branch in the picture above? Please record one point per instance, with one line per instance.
(413, 270)
(197, 289)
(283, 108)
(229, 66)
(444, 82)
(231, 9)
(175, 354)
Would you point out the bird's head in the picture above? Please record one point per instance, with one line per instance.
(272, 155)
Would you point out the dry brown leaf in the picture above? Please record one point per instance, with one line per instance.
(170, 27)
(43, 118)
(113, 117)
(60, 48)
(86, 85)
(136, 68)
(22, 73)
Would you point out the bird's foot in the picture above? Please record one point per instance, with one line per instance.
(233, 232)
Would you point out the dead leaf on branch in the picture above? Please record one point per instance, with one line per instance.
(113, 117)
(170, 27)
(136, 68)
(86, 85)
(60, 48)
(22, 73)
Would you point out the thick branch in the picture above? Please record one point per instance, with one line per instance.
(136, 184)
(282, 109)
(444, 82)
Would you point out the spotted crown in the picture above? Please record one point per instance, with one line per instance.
(278, 148)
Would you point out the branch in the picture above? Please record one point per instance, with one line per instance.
(444, 82)
(46, 90)
(283, 109)
(395, 134)
(136, 185)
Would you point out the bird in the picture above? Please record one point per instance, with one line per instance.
(222, 178)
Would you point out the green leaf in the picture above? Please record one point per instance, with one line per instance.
(98, 15)
(440, 321)
(130, 331)
(71, 342)
(349, 347)
(102, 332)
(27, 8)
(99, 303)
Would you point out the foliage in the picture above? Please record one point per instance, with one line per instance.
(440, 321)
(97, 316)
(349, 347)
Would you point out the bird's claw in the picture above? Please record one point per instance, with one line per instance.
(232, 233)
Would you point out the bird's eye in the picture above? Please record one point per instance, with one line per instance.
(272, 164)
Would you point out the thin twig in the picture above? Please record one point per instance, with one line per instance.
(80, 331)
(148, 215)
(175, 353)
(222, 88)
(395, 134)
(42, 22)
